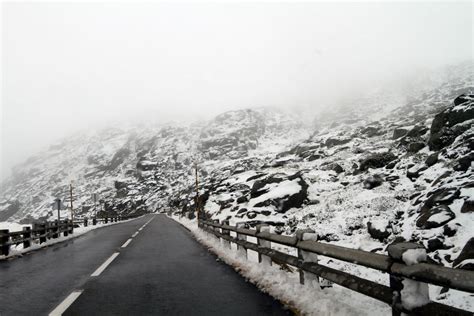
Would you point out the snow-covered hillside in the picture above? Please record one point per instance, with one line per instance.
(361, 176)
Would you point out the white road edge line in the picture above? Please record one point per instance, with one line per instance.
(61, 308)
(126, 243)
(104, 265)
(135, 235)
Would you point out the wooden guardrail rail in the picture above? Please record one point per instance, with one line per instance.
(416, 276)
(41, 232)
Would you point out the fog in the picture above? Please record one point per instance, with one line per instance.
(71, 66)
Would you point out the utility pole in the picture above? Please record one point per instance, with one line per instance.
(197, 191)
(70, 196)
(58, 205)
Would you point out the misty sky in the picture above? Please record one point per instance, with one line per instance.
(71, 66)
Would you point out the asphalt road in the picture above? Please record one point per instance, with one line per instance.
(161, 270)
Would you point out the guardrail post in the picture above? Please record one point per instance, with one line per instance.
(241, 250)
(94, 221)
(408, 294)
(85, 221)
(42, 231)
(265, 260)
(305, 256)
(105, 220)
(4, 238)
(226, 232)
(71, 227)
(66, 228)
(26, 237)
(55, 229)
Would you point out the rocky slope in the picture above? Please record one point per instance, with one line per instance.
(361, 176)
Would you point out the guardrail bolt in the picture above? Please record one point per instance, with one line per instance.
(241, 250)
(4, 238)
(26, 237)
(408, 294)
(265, 260)
(307, 257)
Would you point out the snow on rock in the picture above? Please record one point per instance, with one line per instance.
(414, 256)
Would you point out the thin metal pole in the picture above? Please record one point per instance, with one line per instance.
(70, 196)
(197, 191)
(58, 203)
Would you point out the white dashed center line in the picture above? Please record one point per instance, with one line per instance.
(61, 308)
(126, 243)
(104, 265)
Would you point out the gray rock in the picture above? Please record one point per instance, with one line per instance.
(435, 217)
(396, 250)
(377, 234)
(399, 132)
(468, 206)
(377, 160)
(466, 254)
(415, 147)
(442, 129)
(373, 181)
(432, 159)
(464, 163)
(332, 141)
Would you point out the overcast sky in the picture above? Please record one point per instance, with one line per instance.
(70, 66)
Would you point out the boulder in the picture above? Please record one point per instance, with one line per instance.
(443, 131)
(335, 141)
(462, 99)
(242, 199)
(417, 131)
(465, 260)
(435, 244)
(442, 196)
(377, 231)
(251, 215)
(377, 160)
(399, 132)
(337, 168)
(415, 147)
(468, 206)
(435, 217)
(283, 198)
(464, 163)
(449, 230)
(373, 181)
(432, 159)
(258, 187)
(370, 131)
(415, 171)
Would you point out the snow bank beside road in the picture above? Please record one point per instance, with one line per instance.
(285, 286)
(19, 250)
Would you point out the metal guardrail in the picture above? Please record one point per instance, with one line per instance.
(41, 232)
(308, 249)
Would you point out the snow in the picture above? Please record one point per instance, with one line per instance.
(12, 227)
(414, 256)
(464, 262)
(278, 190)
(284, 286)
(414, 294)
(440, 217)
